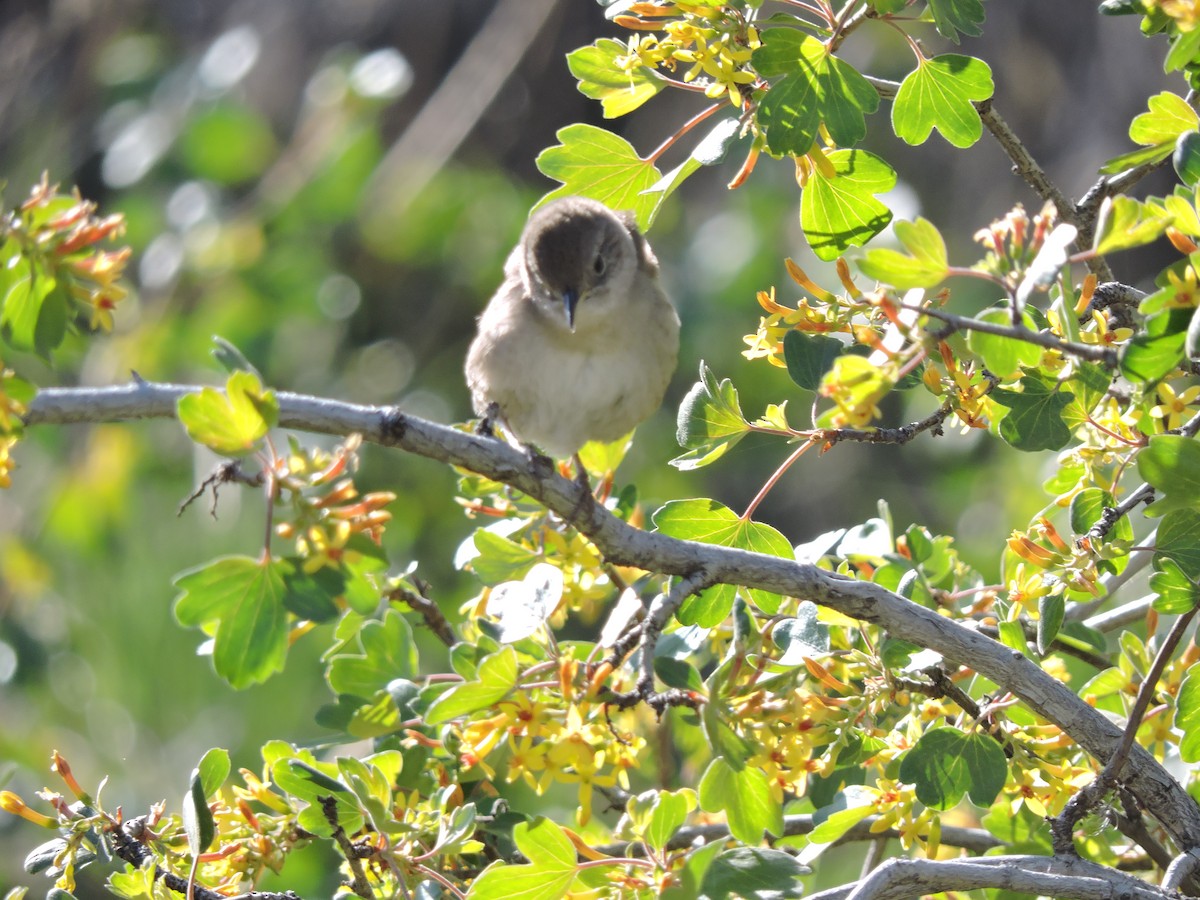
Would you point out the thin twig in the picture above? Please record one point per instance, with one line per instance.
(1113, 514)
(428, 610)
(1106, 356)
(358, 883)
(1062, 826)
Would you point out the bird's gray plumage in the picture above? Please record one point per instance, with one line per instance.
(580, 340)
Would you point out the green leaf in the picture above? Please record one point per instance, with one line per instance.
(388, 652)
(1132, 159)
(841, 212)
(1003, 356)
(1191, 346)
(710, 151)
(1169, 117)
(618, 91)
(924, 266)
(1186, 157)
(547, 876)
(497, 677)
(1179, 540)
(1184, 52)
(801, 637)
(677, 673)
(307, 782)
(198, 823)
(32, 310)
(809, 357)
(954, 17)
(1176, 592)
(231, 423)
(312, 595)
(1187, 715)
(688, 881)
(754, 873)
(1158, 349)
(987, 767)
(1087, 508)
(213, 769)
(245, 597)
(668, 813)
(227, 144)
(592, 162)
(937, 768)
(940, 93)
(834, 820)
(745, 797)
(816, 87)
(1123, 223)
(1051, 608)
(500, 559)
(710, 522)
(710, 421)
(1171, 465)
(1035, 420)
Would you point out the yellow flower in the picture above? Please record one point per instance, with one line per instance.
(6, 461)
(1173, 407)
(1102, 335)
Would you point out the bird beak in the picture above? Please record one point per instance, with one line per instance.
(570, 300)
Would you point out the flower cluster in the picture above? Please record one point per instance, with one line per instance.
(554, 737)
(824, 313)
(714, 43)
(323, 522)
(1014, 241)
(55, 237)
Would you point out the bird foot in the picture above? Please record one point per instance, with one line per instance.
(486, 426)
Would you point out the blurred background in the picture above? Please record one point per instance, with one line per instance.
(333, 186)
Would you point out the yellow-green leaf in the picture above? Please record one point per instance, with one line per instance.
(600, 78)
(592, 162)
(230, 423)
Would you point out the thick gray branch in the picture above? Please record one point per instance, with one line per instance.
(1047, 876)
(1158, 792)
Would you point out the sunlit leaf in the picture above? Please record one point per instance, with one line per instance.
(925, 265)
(940, 93)
(245, 597)
(548, 874)
(710, 421)
(618, 91)
(815, 87)
(842, 212)
(230, 423)
(592, 162)
(744, 795)
(710, 522)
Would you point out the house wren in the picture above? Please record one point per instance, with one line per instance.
(580, 340)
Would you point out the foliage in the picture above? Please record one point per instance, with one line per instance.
(798, 724)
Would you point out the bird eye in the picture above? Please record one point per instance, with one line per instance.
(598, 265)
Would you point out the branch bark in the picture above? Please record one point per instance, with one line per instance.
(1155, 788)
(900, 879)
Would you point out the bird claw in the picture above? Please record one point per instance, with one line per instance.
(487, 425)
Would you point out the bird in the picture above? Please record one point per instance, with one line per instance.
(580, 340)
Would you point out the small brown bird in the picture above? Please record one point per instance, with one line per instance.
(580, 340)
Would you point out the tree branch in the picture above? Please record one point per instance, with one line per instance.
(623, 544)
(900, 879)
(974, 840)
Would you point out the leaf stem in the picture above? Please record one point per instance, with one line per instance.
(686, 127)
(776, 475)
